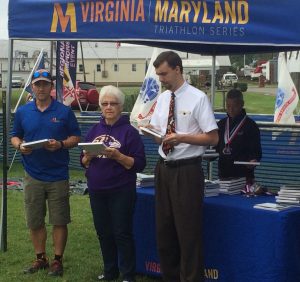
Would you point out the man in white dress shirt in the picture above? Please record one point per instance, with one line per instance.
(179, 176)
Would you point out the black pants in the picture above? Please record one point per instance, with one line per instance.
(113, 220)
(179, 203)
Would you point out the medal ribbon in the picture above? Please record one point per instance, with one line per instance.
(229, 136)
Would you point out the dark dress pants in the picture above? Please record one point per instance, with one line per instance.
(179, 203)
(113, 220)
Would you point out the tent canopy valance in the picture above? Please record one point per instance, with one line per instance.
(206, 27)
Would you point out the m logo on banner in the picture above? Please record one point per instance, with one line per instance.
(64, 19)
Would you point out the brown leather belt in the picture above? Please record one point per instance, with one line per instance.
(180, 162)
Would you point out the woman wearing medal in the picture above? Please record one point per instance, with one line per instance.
(239, 140)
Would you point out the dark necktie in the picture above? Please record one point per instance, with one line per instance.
(167, 148)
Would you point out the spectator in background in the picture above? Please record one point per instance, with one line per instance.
(239, 140)
(111, 181)
(46, 169)
(184, 115)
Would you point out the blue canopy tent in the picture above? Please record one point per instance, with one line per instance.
(205, 27)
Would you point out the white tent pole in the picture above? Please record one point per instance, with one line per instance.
(212, 99)
(29, 78)
(213, 81)
(118, 66)
(9, 90)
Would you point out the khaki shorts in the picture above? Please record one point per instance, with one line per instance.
(37, 193)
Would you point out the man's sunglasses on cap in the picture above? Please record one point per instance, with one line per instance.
(44, 74)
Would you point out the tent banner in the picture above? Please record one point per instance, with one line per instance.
(66, 62)
(268, 22)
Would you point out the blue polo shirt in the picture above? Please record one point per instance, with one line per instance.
(56, 122)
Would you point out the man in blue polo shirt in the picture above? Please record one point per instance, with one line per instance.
(46, 168)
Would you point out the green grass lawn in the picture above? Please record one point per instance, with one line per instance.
(82, 260)
(255, 103)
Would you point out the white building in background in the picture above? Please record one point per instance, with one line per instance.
(102, 62)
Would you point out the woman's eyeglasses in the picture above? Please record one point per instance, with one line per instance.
(42, 74)
(112, 104)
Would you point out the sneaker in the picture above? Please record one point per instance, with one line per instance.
(128, 279)
(56, 268)
(37, 265)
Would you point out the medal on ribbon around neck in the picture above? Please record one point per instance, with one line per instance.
(229, 136)
(227, 150)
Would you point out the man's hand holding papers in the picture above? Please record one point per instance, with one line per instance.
(35, 144)
(152, 132)
(26, 148)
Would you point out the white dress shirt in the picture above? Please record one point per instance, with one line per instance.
(193, 115)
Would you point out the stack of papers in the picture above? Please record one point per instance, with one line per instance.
(289, 194)
(232, 186)
(271, 206)
(35, 144)
(144, 180)
(212, 188)
(152, 132)
(246, 163)
(96, 148)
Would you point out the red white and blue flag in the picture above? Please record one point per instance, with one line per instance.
(146, 100)
(287, 96)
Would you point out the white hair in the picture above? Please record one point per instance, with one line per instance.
(112, 91)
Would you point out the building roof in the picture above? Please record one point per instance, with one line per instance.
(105, 50)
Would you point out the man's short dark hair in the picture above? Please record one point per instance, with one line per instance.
(171, 58)
(235, 94)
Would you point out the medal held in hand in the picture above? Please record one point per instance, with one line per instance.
(229, 135)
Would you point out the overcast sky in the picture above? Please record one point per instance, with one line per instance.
(3, 19)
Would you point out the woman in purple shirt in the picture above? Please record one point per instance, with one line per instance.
(111, 179)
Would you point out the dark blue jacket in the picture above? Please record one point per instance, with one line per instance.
(245, 146)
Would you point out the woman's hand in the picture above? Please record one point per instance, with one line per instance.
(115, 154)
(112, 153)
(87, 157)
